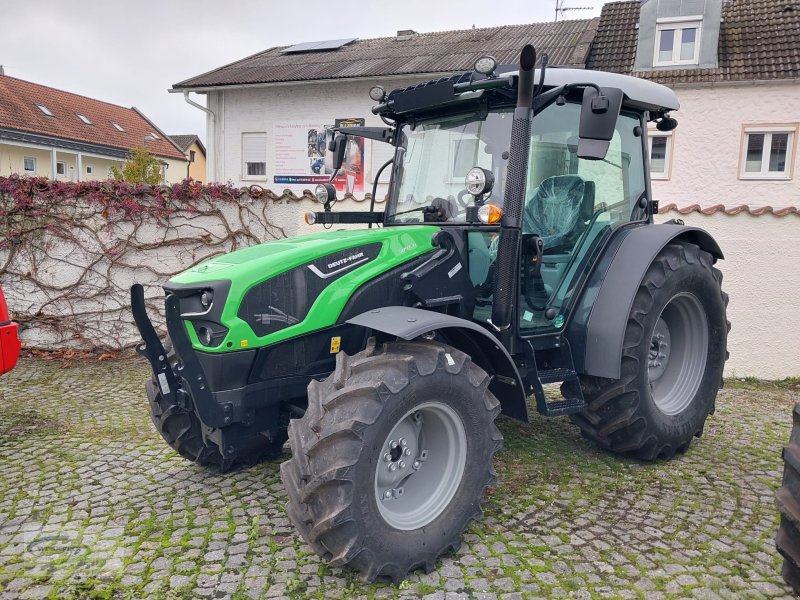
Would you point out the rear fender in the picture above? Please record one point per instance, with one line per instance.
(469, 337)
(597, 330)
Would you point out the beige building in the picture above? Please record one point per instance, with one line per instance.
(735, 68)
(195, 153)
(45, 132)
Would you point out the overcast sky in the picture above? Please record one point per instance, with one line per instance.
(131, 52)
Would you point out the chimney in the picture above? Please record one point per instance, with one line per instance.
(2, 70)
(406, 34)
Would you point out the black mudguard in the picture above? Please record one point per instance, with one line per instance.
(469, 337)
(597, 328)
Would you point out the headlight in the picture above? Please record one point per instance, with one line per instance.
(204, 335)
(377, 93)
(479, 181)
(485, 65)
(325, 193)
(206, 298)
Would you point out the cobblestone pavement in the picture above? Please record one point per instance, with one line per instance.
(93, 504)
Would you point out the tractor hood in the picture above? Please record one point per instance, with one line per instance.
(279, 289)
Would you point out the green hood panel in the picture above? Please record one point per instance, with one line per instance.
(250, 266)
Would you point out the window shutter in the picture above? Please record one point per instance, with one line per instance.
(254, 153)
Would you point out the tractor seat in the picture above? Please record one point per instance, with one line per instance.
(557, 209)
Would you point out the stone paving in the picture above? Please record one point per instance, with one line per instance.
(94, 505)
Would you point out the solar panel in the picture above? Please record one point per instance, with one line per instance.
(318, 46)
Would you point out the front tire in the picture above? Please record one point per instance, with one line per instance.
(673, 356)
(425, 405)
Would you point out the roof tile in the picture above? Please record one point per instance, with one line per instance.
(759, 40)
(566, 42)
(18, 100)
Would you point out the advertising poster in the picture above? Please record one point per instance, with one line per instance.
(300, 148)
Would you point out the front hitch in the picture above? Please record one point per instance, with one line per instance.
(185, 384)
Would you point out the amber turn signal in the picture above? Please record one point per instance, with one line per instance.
(490, 214)
(310, 217)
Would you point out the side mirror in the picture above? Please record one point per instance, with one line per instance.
(334, 157)
(599, 112)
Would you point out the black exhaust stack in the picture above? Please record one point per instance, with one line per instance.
(511, 222)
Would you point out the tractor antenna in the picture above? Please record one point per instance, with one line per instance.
(561, 9)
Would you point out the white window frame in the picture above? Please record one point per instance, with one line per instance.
(118, 127)
(63, 164)
(90, 169)
(45, 110)
(31, 158)
(245, 176)
(84, 119)
(768, 131)
(678, 24)
(667, 174)
(455, 140)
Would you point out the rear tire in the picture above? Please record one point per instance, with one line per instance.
(673, 356)
(788, 502)
(346, 499)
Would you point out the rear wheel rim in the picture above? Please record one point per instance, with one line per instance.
(678, 353)
(420, 466)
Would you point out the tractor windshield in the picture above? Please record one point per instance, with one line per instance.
(436, 156)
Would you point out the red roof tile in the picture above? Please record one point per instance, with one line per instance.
(18, 110)
(759, 40)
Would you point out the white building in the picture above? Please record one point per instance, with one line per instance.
(264, 109)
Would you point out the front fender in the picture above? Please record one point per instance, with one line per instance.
(596, 332)
(469, 337)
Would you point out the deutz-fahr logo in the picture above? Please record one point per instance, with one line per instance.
(344, 261)
(343, 264)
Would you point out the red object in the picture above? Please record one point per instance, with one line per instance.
(9, 340)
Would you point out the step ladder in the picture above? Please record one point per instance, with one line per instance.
(566, 406)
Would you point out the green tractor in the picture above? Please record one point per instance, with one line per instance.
(517, 249)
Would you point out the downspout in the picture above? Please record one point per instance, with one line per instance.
(211, 174)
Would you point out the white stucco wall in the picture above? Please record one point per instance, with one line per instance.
(257, 109)
(708, 142)
(759, 274)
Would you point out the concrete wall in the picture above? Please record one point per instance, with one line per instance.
(761, 257)
(708, 146)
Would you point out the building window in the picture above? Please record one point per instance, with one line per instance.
(61, 168)
(117, 126)
(254, 155)
(660, 155)
(678, 41)
(767, 152)
(29, 164)
(155, 136)
(84, 118)
(89, 170)
(44, 109)
(191, 156)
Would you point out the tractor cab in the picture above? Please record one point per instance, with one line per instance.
(584, 176)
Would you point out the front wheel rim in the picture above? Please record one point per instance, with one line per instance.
(420, 466)
(678, 354)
